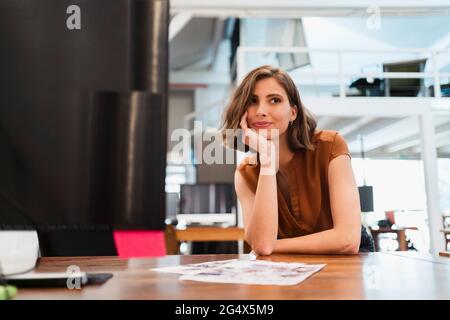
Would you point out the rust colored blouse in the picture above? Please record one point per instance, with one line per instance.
(302, 191)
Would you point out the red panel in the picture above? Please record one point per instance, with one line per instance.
(140, 243)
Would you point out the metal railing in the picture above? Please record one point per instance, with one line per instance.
(431, 56)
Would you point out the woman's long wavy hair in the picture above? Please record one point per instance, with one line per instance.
(300, 133)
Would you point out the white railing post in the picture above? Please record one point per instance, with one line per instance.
(240, 68)
(437, 82)
(341, 75)
(429, 158)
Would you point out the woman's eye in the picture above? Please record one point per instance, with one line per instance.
(253, 100)
(275, 100)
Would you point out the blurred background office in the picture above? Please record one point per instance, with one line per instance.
(380, 75)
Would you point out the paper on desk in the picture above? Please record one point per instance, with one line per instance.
(192, 268)
(246, 272)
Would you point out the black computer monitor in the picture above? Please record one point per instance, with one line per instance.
(83, 119)
(207, 198)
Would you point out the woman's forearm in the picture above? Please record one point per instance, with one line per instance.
(324, 242)
(263, 227)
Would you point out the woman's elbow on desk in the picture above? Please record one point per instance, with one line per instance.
(263, 250)
(350, 244)
(350, 249)
(261, 247)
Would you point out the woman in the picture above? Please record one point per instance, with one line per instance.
(299, 194)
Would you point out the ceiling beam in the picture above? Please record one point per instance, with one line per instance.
(178, 22)
(327, 122)
(219, 27)
(199, 77)
(442, 140)
(388, 107)
(355, 125)
(342, 122)
(304, 8)
(373, 126)
(406, 128)
(442, 128)
(389, 134)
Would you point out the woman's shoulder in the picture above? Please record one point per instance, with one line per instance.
(330, 142)
(321, 136)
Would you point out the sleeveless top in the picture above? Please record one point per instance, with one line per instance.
(302, 188)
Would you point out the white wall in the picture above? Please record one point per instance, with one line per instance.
(181, 103)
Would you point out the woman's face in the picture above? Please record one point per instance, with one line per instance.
(270, 109)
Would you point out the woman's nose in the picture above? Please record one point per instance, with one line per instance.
(261, 109)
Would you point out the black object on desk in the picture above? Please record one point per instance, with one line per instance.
(61, 279)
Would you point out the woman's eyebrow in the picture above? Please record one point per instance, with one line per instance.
(274, 95)
(268, 95)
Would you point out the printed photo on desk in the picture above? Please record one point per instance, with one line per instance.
(246, 272)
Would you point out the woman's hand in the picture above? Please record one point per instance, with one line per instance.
(251, 138)
(267, 150)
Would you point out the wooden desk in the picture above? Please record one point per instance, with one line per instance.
(441, 259)
(401, 236)
(175, 236)
(364, 276)
(210, 234)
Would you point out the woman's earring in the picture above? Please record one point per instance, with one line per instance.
(291, 123)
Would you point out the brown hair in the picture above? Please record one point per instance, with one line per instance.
(299, 135)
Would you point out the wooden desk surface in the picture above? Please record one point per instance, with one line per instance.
(364, 276)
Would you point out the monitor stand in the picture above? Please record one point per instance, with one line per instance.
(19, 251)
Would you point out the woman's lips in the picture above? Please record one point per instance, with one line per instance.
(261, 124)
